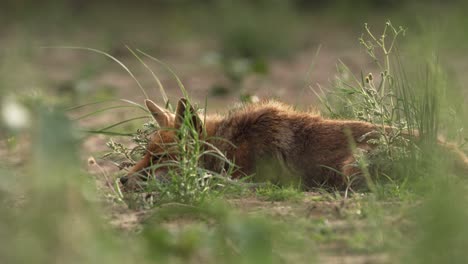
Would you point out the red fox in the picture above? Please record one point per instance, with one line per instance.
(268, 138)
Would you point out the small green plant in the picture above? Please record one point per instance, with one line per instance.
(406, 111)
(125, 156)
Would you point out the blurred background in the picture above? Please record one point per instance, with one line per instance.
(58, 54)
(221, 50)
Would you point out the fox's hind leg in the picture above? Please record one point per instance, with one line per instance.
(351, 169)
(352, 174)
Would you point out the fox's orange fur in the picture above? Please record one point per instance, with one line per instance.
(272, 135)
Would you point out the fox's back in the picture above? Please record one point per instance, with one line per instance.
(290, 141)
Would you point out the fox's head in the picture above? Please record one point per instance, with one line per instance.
(162, 147)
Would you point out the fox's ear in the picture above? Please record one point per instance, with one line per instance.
(161, 115)
(185, 110)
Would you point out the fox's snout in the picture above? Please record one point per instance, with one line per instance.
(132, 181)
(137, 180)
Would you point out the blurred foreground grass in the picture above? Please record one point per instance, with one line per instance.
(56, 216)
(52, 212)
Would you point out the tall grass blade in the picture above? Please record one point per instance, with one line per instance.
(155, 77)
(109, 56)
(179, 82)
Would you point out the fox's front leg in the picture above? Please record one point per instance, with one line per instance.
(134, 176)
